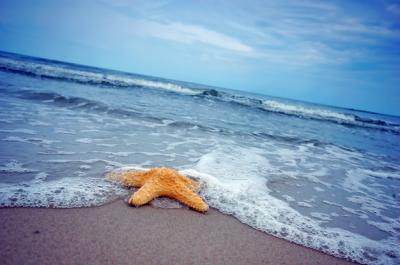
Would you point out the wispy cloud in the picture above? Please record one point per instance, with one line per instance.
(297, 33)
(312, 32)
(187, 33)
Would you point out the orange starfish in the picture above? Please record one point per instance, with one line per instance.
(158, 182)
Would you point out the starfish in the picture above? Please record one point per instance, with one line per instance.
(158, 182)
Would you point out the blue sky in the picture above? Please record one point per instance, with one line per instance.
(342, 53)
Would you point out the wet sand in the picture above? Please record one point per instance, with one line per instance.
(118, 234)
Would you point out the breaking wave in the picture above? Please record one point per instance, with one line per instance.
(79, 103)
(315, 113)
(94, 76)
(88, 77)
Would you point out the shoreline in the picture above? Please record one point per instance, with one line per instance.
(118, 234)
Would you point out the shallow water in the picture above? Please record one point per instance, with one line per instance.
(324, 177)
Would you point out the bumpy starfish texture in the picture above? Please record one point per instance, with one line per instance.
(158, 182)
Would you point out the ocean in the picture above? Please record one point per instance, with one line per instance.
(324, 177)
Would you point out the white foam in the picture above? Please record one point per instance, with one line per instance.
(106, 145)
(58, 71)
(40, 177)
(57, 152)
(288, 198)
(15, 167)
(15, 139)
(232, 181)
(62, 193)
(114, 154)
(163, 85)
(321, 216)
(390, 225)
(272, 105)
(84, 140)
(238, 167)
(304, 204)
(373, 199)
(85, 167)
(39, 123)
(64, 131)
(268, 214)
(85, 161)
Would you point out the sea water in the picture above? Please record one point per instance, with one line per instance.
(323, 177)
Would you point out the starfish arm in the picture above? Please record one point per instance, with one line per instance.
(139, 177)
(191, 199)
(145, 194)
(191, 184)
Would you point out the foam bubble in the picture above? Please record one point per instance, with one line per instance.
(62, 193)
(15, 167)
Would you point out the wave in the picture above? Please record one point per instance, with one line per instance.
(65, 72)
(235, 181)
(84, 104)
(78, 103)
(61, 72)
(306, 112)
(273, 216)
(99, 107)
(345, 119)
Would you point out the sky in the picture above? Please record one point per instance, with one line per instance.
(340, 53)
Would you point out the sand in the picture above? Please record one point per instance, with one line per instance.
(118, 234)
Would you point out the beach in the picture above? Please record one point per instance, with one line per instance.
(118, 234)
(322, 177)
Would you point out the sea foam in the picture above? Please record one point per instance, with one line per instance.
(232, 184)
(63, 72)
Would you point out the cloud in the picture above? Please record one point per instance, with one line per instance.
(187, 33)
(152, 19)
(302, 32)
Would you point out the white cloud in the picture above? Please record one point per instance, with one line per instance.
(187, 33)
(302, 32)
